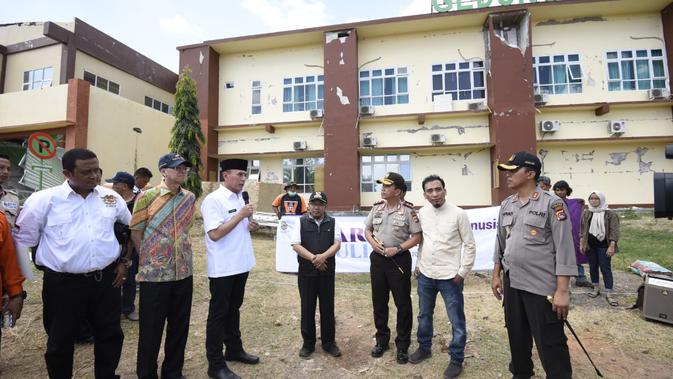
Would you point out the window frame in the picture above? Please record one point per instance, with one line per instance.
(98, 82)
(303, 185)
(398, 75)
(30, 84)
(256, 108)
(457, 70)
(294, 83)
(651, 58)
(556, 87)
(158, 105)
(369, 185)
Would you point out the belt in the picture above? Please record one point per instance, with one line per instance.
(97, 274)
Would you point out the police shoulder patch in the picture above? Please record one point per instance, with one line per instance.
(408, 204)
(379, 202)
(559, 210)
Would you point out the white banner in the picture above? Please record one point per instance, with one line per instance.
(354, 253)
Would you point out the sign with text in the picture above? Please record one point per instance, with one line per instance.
(462, 5)
(353, 256)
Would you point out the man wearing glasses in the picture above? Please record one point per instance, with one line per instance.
(162, 217)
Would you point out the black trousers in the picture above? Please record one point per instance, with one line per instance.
(68, 301)
(312, 289)
(386, 278)
(530, 317)
(129, 286)
(162, 303)
(224, 318)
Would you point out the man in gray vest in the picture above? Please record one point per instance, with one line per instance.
(316, 241)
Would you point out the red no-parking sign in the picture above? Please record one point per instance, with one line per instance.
(42, 145)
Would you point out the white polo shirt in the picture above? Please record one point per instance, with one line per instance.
(231, 254)
(75, 234)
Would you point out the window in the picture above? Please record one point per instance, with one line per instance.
(557, 74)
(374, 167)
(253, 169)
(463, 80)
(302, 171)
(158, 105)
(630, 70)
(303, 93)
(36, 79)
(256, 97)
(383, 87)
(102, 83)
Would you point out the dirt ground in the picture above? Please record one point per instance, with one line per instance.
(621, 343)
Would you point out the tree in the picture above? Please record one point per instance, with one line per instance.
(186, 135)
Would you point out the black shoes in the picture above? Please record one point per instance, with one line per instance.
(222, 373)
(419, 356)
(243, 357)
(453, 370)
(402, 356)
(378, 350)
(332, 350)
(306, 352)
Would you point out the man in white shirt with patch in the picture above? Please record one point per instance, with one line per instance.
(445, 258)
(227, 223)
(74, 226)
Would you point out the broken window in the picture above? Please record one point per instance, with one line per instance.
(384, 86)
(462, 80)
(630, 70)
(373, 167)
(557, 74)
(512, 28)
(36, 79)
(303, 93)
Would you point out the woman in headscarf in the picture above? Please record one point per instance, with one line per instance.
(598, 240)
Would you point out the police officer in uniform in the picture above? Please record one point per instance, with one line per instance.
(392, 228)
(9, 201)
(534, 251)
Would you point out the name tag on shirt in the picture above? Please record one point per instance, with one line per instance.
(9, 205)
(232, 210)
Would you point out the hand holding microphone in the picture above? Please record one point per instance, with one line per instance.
(247, 211)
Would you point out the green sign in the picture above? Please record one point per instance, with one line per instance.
(463, 5)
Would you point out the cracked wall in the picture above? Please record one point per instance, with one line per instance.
(623, 170)
(258, 141)
(270, 67)
(580, 36)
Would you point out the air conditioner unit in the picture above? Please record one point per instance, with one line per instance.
(477, 106)
(316, 114)
(547, 126)
(617, 127)
(437, 138)
(299, 145)
(658, 93)
(369, 141)
(541, 98)
(367, 110)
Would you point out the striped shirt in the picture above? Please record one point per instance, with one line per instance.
(165, 219)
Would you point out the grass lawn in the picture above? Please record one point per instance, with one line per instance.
(619, 340)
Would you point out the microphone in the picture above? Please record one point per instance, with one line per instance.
(246, 200)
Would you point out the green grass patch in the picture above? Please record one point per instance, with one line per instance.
(645, 243)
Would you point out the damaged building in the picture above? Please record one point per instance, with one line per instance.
(582, 83)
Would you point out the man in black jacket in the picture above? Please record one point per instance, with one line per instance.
(316, 240)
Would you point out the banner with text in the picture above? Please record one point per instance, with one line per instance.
(354, 253)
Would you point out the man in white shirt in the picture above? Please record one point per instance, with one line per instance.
(442, 267)
(227, 222)
(74, 226)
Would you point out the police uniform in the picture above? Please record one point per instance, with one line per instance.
(9, 205)
(392, 227)
(534, 245)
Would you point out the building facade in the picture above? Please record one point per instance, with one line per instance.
(85, 89)
(584, 84)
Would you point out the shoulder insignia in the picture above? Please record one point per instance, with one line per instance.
(535, 195)
(559, 210)
(408, 204)
(379, 202)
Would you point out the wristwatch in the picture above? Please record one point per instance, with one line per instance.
(399, 247)
(127, 262)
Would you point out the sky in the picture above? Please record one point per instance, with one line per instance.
(156, 27)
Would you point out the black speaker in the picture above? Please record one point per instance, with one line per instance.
(663, 194)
